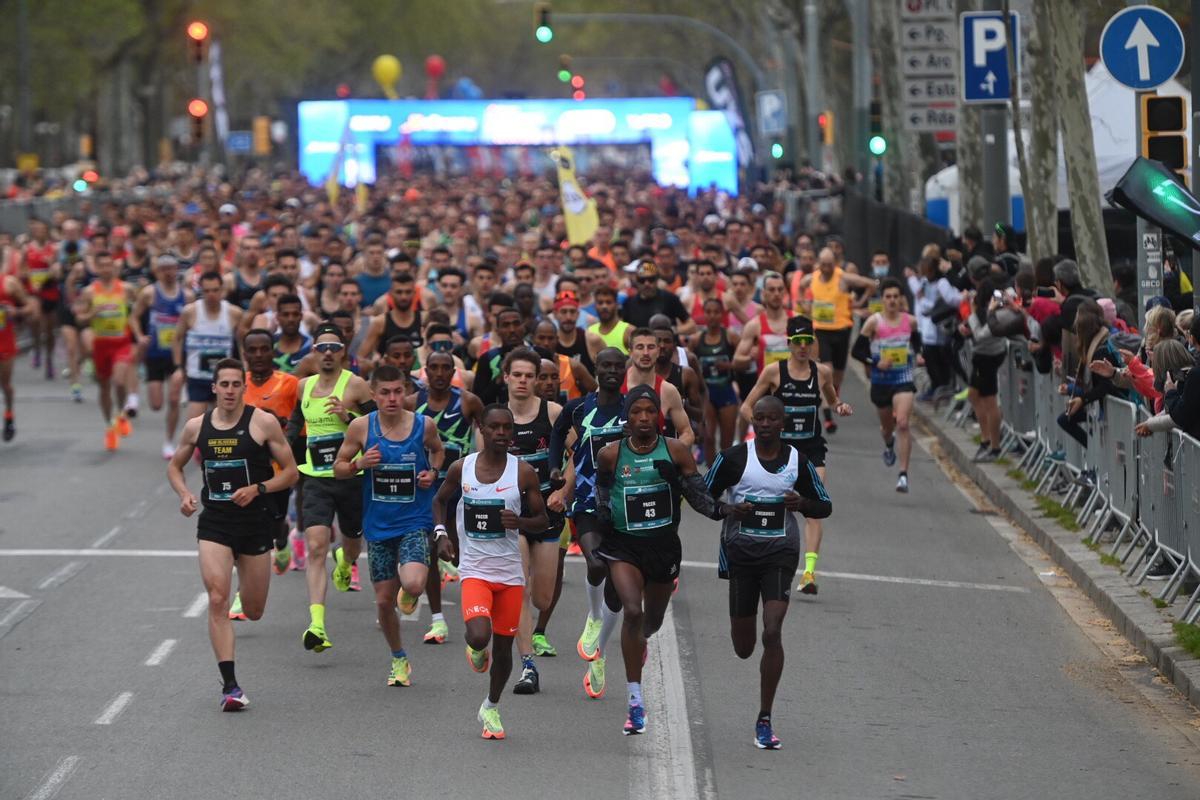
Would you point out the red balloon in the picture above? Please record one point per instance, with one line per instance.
(435, 66)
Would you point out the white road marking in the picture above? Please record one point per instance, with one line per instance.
(161, 652)
(17, 613)
(106, 538)
(11, 594)
(60, 575)
(113, 710)
(138, 509)
(198, 606)
(54, 781)
(96, 552)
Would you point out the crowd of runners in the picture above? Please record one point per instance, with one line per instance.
(433, 374)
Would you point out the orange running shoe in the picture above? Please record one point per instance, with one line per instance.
(123, 426)
(112, 439)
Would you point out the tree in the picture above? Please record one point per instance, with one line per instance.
(970, 155)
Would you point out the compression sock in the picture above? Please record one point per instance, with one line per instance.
(228, 679)
(610, 621)
(810, 561)
(437, 617)
(527, 661)
(828, 414)
(595, 600)
(487, 703)
(399, 653)
(316, 613)
(635, 693)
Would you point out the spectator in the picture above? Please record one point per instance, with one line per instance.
(1091, 344)
(1004, 240)
(1160, 325)
(1181, 398)
(936, 308)
(986, 359)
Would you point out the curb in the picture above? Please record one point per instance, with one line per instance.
(1146, 628)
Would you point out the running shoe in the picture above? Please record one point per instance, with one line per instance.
(88, 368)
(902, 484)
(282, 560)
(168, 451)
(830, 427)
(808, 583)
(10, 429)
(889, 455)
(355, 584)
(234, 699)
(574, 549)
(77, 392)
(490, 717)
(981, 451)
(448, 571)
(341, 572)
(401, 674)
(123, 426)
(542, 646)
(296, 538)
(764, 737)
(479, 660)
(112, 439)
(437, 632)
(636, 722)
(406, 603)
(316, 640)
(235, 608)
(528, 683)
(987, 458)
(593, 679)
(131, 406)
(589, 641)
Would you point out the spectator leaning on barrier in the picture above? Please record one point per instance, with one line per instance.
(988, 355)
(936, 307)
(1091, 344)
(1181, 391)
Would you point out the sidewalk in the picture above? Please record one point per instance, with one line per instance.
(1148, 628)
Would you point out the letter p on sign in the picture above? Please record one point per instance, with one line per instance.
(989, 37)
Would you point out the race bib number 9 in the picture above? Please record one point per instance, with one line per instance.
(767, 517)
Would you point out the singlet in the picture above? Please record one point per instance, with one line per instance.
(642, 501)
(772, 346)
(231, 459)
(207, 342)
(892, 342)
(615, 337)
(710, 355)
(325, 431)
(411, 332)
(658, 382)
(287, 362)
(111, 307)
(243, 292)
(457, 381)
(531, 444)
(567, 384)
(137, 274)
(163, 318)
(488, 550)
(578, 350)
(39, 259)
(595, 426)
(801, 402)
(8, 328)
(452, 426)
(277, 395)
(830, 305)
(770, 530)
(393, 504)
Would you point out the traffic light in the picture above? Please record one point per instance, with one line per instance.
(1164, 131)
(579, 94)
(197, 34)
(197, 110)
(342, 91)
(564, 68)
(825, 123)
(776, 149)
(577, 82)
(877, 144)
(542, 31)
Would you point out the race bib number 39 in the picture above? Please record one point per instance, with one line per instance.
(801, 422)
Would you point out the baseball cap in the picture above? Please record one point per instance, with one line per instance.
(227, 208)
(647, 269)
(746, 262)
(799, 326)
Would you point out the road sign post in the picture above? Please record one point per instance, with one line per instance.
(986, 79)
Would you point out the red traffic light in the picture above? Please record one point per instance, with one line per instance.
(578, 94)
(197, 107)
(343, 90)
(577, 82)
(197, 31)
(822, 120)
(90, 175)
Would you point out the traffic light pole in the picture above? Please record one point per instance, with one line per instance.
(1149, 236)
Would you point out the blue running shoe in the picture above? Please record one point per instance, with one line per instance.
(234, 699)
(889, 455)
(636, 723)
(764, 737)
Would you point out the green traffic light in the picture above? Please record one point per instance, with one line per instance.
(544, 33)
(564, 75)
(877, 145)
(776, 150)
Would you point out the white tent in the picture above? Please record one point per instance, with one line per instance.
(1113, 132)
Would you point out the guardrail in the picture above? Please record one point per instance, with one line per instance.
(1143, 492)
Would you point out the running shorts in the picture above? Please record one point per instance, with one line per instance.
(721, 396)
(551, 534)
(747, 584)
(108, 351)
(324, 498)
(241, 542)
(835, 347)
(657, 557)
(386, 556)
(983, 374)
(745, 382)
(499, 602)
(813, 449)
(199, 390)
(882, 394)
(159, 369)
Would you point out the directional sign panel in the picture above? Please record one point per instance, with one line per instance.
(1142, 47)
(930, 120)
(984, 49)
(919, 91)
(933, 34)
(922, 10)
(926, 63)
(239, 142)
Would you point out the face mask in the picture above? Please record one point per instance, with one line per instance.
(881, 272)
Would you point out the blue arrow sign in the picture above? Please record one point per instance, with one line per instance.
(984, 63)
(1142, 47)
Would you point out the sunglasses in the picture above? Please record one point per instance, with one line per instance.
(412, 243)
(329, 347)
(647, 280)
(802, 338)
(441, 346)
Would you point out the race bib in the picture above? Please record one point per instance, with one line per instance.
(323, 450)
(647, 507)
(3, 317)
(109, 322)
(897, 355)
(875, 306)
(37, 278)
(800, 422)
(165, 336)
(452, 453)
(394, 483)
(601, 438)
(223, 478)
(540, 461)
(767, 517)
(481, 518)
(209, 359)
(823, 312)
(713, 375)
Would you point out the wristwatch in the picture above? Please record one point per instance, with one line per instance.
(262, 488)
(439, 531)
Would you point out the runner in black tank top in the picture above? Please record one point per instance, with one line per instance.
(391, 330)
(531, 443)
(232, 459)
(578, 350)
(801, 401)
(244, 292)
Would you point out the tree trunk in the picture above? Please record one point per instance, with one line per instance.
(1083, 182)
(1043, 139)
(970, 155)
(1033, 222)
(899, 163)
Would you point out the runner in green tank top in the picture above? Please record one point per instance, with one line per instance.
(612, 330)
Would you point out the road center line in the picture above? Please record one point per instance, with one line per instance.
(161, 652)
(17, 613)
(60, 575)
(106, 538)
(198, 606)
(61, 773)
(113, 710)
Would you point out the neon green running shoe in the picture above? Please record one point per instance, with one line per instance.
(479, 660)
(490, 717)
(406, 602)
(437, 633)
(341, 572)
(961, 396)
(283, 560)
(542, 646)
(448, 571)
(589, 640)
(235, 608)
(316, 640)
(593, 679)
(401, 672)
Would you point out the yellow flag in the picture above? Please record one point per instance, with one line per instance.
(578, 209)
(332, 189)
(1185, 285)
(361, 196)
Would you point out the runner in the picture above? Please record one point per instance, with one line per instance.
(768, 482)
(454, 412)
(764, 339)
(714, 347)
(158, 309)
(204, 337)
(612, 330)
(547, 388)
(494, 486)
(801, 384)
(399, 452)
(673, 364)
(533, 421)
(324, 411)
(573, 378)
(400, 353)
(105, 305)
(887, 344)
(236, 444)
(639, 483)
(403, 318)
(643, 370)
(574, 342)
(42, 267)
(14, 304)
(488, 384)
(291, 343)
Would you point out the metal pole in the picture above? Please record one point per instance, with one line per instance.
(814, 82)
(1195, 154)
(1149, 236)
(860, 16)
(24, 91)
(997, 200)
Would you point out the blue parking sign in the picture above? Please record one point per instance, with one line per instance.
(984, 58)
(1142, 47)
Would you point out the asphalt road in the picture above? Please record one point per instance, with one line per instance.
(934, 663)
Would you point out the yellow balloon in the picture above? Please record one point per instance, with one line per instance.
(386, 69)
